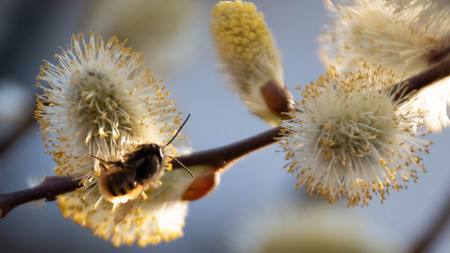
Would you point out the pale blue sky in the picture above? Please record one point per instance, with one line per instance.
(217, 118)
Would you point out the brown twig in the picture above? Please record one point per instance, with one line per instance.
(435, 228)
(422, 80)
(21, 129)
(223, 156)
(219, 158)
(17, 132)
(50, 188)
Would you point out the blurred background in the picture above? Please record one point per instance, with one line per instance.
(253, 194)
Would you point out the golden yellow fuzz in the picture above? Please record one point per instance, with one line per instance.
(350, 139)
(242, 36)
(153, 221)
(247, 50)
(100, 101)
(405, 36)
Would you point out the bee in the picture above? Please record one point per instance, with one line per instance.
(124, 181)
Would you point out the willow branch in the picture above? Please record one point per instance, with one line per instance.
(51, 187)
(17, 132)
(420, 81)
(223, 157)
(437, 225)
(218, 158)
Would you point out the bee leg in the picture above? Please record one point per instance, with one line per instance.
(123, 210)
(115, 205)
(98, 202)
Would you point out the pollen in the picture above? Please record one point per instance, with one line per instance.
(87, 110)
(405, 38)
(99, 101)
(350, 138)
(248, 53)
(239, 26)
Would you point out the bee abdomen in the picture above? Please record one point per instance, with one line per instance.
(117, 185)
(122, 189)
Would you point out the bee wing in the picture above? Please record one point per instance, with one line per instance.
(106, 165)
(123, 209)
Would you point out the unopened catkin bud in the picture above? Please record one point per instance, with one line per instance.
(250, 59)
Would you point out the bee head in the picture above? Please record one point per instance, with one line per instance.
(152, 150)
(146, 160)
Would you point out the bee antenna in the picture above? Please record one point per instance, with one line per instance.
(101, 160)
(182, 165)
(178, 131)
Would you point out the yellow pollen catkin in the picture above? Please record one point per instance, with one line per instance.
(250, 59)
(243, 41)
